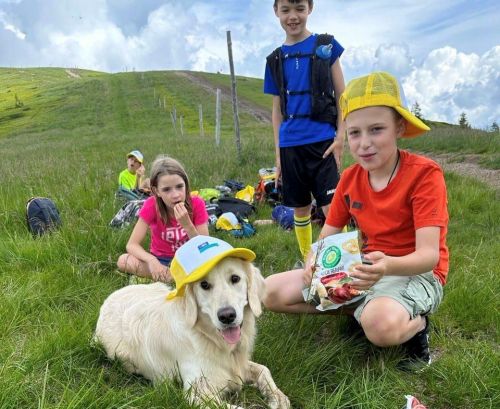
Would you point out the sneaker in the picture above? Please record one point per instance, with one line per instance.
(413, 403)
(299, 264)
(417, 351)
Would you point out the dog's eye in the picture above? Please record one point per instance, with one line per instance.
(235, 279)
(205, 285)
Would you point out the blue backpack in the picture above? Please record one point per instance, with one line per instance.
(42, 216)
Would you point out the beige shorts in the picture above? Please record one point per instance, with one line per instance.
(419, 295)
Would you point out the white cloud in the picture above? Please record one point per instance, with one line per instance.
(450, 82)
(11, 27)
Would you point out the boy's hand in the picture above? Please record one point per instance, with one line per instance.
(367, 275)
(181, 215)
(337, 148)
(307, 275)
(141, 170)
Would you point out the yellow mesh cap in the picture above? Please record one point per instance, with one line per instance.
(380, 89)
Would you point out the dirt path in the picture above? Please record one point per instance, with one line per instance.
(467, 166)
(72, 73)
(260, 114)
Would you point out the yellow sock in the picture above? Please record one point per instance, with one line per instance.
(303, 231)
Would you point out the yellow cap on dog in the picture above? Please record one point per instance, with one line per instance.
(194, 259)
(380, 89)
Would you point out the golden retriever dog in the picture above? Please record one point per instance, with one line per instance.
(204, 337)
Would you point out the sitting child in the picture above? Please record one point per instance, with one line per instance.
(171, 215)
(131, 182)
(397, 200)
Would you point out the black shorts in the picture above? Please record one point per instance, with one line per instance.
(304, 171)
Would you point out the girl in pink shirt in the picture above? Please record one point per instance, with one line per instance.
(172, 216)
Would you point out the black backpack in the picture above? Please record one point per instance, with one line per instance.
(323, 104)
(239, 207)
(42, 215)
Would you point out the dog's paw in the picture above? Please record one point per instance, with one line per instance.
(278, 400)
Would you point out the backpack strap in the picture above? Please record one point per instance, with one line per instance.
(275, 62)
(323, 104)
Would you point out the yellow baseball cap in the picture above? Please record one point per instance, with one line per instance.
(380, 89)
(194, 259)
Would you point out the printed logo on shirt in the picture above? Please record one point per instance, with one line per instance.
(357, 205)
(175, 237)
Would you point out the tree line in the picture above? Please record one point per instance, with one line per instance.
(463, 122)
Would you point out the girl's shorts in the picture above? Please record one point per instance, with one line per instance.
(164, 260)
(419, 295)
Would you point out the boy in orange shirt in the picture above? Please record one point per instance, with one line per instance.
(398, 202)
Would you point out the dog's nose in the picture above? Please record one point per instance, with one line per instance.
(226, 315)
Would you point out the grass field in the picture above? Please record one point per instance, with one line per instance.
(68, 141)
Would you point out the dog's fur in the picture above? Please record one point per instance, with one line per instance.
(183, 337)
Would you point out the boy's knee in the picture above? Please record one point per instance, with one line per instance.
(271, 296)
(383, 332)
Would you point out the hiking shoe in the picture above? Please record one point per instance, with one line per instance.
(299, 264)
(417, 350)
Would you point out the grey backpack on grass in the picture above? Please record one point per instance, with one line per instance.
(127, 214)
(42, 216)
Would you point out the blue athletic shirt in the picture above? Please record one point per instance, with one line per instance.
(300, 131)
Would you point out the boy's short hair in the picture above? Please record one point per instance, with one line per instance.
(380, 89)
(310, 2)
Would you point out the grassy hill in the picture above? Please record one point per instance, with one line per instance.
(68, 138)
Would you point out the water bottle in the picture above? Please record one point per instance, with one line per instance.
(324, 51)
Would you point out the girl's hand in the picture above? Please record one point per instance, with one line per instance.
(367, 275)
(181, 215)
(158, 271)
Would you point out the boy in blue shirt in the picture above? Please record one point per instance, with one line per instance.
(304, 115)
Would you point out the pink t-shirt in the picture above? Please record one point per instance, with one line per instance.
(165, 240)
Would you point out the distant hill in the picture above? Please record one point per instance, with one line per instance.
(34, 99)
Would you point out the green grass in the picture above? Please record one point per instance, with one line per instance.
(51, 288)
(445, 138)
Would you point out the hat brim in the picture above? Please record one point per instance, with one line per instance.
(133, 156)
(203, 270)
(414, 126)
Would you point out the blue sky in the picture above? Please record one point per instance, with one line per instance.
(446, 53)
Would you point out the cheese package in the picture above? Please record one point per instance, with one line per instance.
(333, 259)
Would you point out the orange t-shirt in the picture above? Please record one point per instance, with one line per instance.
(415, 198)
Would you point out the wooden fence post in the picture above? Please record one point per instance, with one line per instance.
(173, 117)
(200, 119)
(217, 118)
(233, 93)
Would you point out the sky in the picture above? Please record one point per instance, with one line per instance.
(446, 53)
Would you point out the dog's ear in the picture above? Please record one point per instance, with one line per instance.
(190, 306)
(255, 289)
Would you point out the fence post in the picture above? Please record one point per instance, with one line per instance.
(200, 118)
(233, 93)
(217, 118)
(182, 126)
(173, 117)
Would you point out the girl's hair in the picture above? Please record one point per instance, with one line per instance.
(310, 2)
(165, 165)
